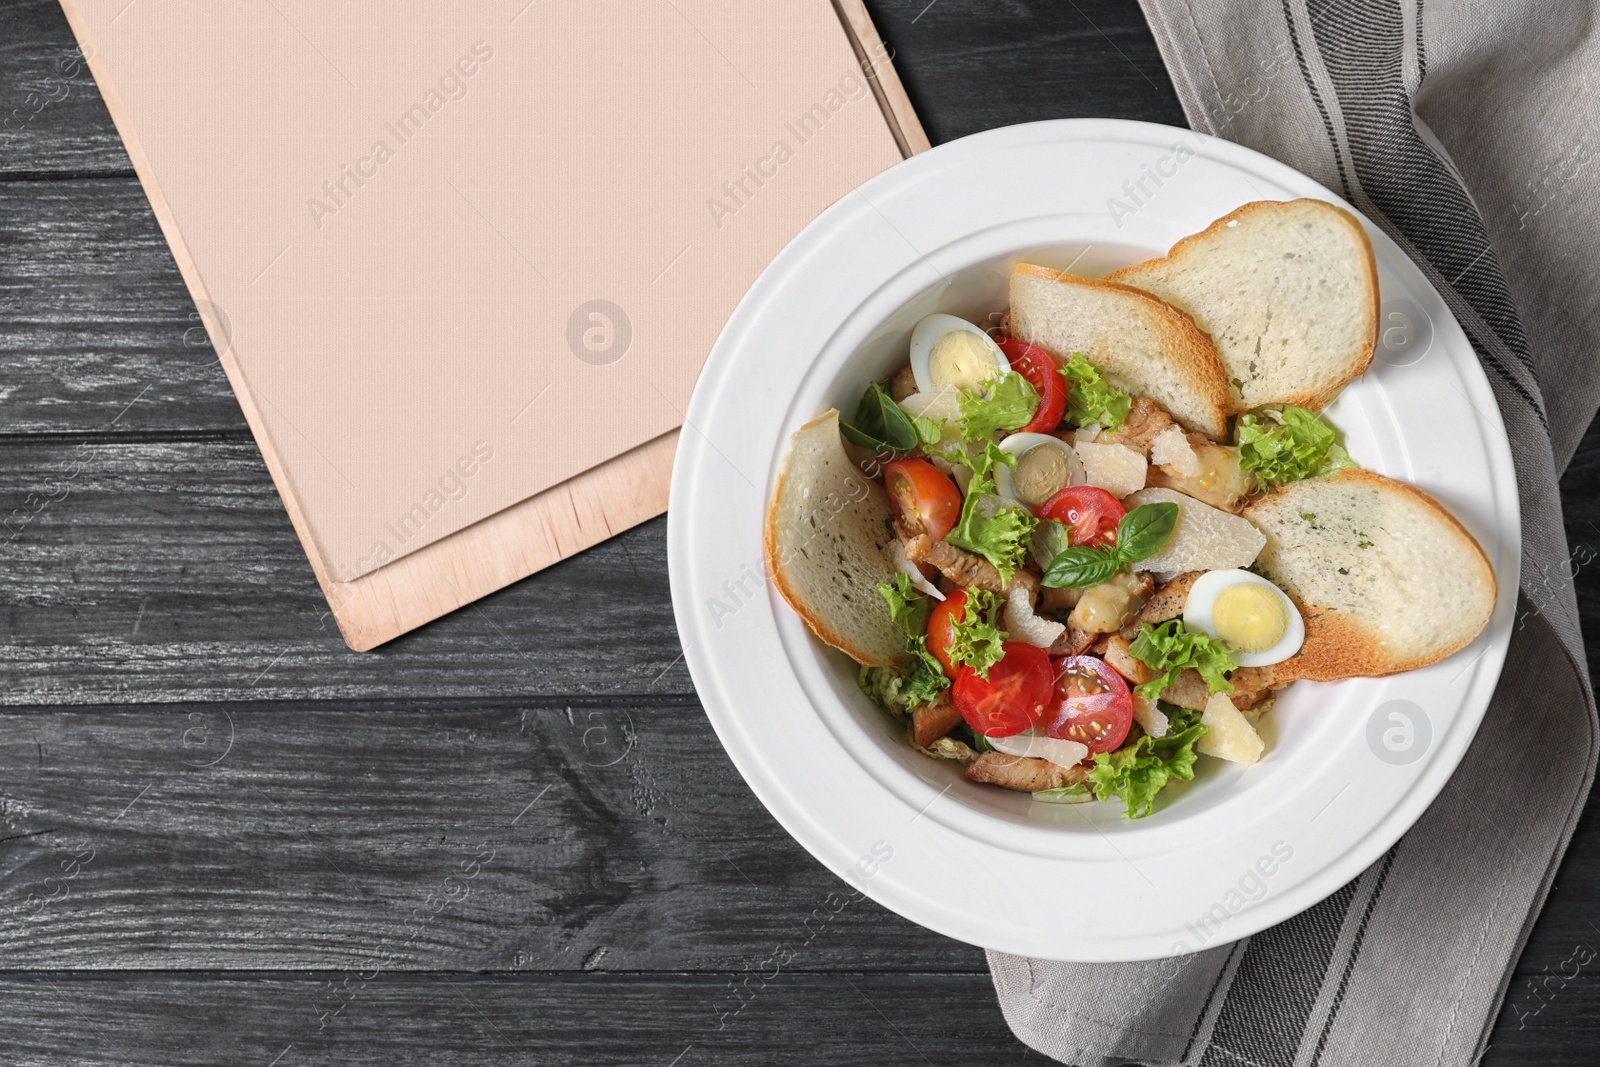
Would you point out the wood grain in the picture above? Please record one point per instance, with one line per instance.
(532, 836)
(51, 118)
(99, 334)
(168, 571)
(793, 1020)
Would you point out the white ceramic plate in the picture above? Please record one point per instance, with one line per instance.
(1349, 767)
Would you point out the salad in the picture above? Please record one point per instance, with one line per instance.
(1079, 551)
(1027, 500)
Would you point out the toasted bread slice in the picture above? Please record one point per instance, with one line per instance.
(827, 534)
(1141, 344)
(1287, 290)
(1386, 578)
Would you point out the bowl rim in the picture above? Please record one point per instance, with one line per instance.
(756, 747)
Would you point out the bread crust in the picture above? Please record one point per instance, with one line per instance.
(780, 578)
(1188, 346)
(1337, 646)
(1314, 400)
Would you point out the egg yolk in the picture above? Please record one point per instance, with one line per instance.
(1041, 473)
(962, 359)
(1249, 617)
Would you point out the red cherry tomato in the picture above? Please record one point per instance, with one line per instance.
(940, 632)
(1039, 367)
(1092, 704)
(1092, 513)
(925, 499)
(1019, 689)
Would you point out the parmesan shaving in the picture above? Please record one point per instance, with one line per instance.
(1117, 469)
(1171, 448)
(1205, 538)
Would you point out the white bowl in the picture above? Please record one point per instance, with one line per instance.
(1349, 767)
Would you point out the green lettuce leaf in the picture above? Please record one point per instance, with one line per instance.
(904, 692)
(1003, 538)
(1136, 772)
(925, 680)
(908, 608)
(1067, 794)
(1009, 404)
(1288, 445)
(929, 431)
(1168, 649)
(975, 640)
(1092, 399)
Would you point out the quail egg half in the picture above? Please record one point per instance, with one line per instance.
(947, 351)
(1254, 618)
(1045, 466)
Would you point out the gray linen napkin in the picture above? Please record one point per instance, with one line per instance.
(1464, 130)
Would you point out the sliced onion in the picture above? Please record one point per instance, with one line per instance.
(897, 555)
(1024, 625)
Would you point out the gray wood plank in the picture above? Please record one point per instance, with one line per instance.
(52, 119)
(99, 333)
(791, 1020)
(973, 65)
(778, 1018)
(548, 835)
(168, 571)
(530, 836)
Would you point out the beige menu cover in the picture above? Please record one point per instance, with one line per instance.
(462, 262)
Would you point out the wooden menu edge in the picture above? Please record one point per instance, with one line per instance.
(528, 536)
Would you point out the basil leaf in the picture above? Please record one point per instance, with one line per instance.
(1079, 568)
(880, 424)
(1145, 530)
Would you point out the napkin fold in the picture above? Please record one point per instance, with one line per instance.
(1465, 131)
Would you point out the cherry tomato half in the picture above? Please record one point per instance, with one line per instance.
(940, 631)
(1092, 704)
(1019, 689)
(1039, 367)
(1092, 513)
(924, 497)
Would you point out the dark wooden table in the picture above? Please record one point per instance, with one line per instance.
(510, 838)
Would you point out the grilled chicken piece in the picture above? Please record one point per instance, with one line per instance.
(1074, 642)
(1222, 482)
(1114, 649)
(1189, 691)
(932, 721)
(1144, 424)
(1052, 601)
(964, 568)
(1166, 603)
(1250, 685)
(1027, 774)
(903, 384)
